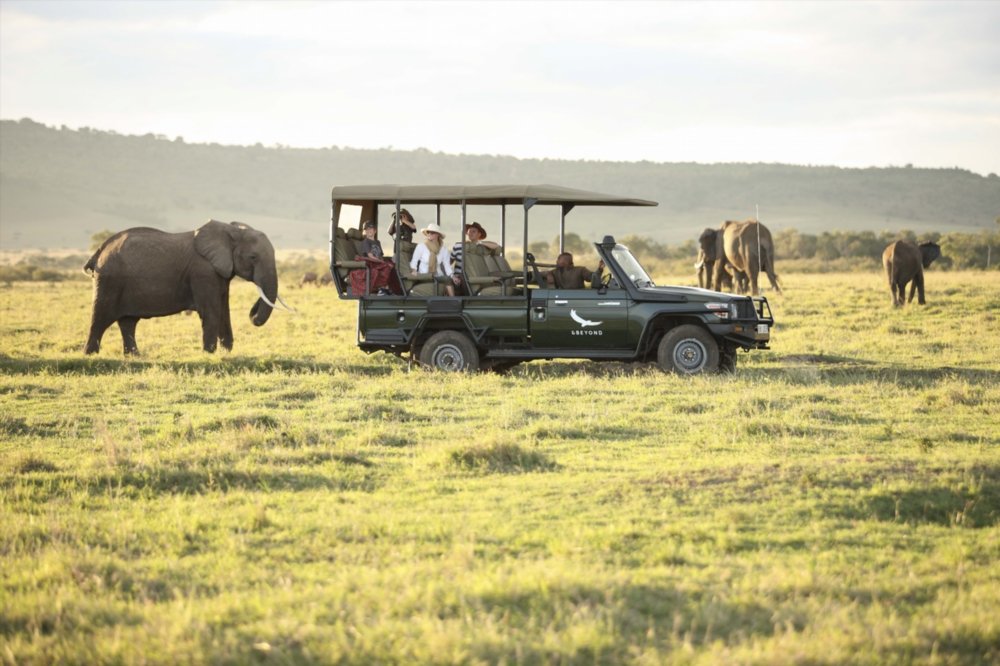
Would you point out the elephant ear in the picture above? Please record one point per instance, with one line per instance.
(214, 241)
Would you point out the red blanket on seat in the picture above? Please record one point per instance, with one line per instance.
(383, 276)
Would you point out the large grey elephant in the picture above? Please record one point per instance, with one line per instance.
(749, 248)
(708, 254)
(141, 273)
(905, 261)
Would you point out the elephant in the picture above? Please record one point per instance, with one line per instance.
(142, 272)
(749, 248)
(707, 256)
(905, 261)
(319, 280)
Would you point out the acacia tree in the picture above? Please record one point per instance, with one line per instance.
(97, 240)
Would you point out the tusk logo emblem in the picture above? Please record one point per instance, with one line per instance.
(584, 323)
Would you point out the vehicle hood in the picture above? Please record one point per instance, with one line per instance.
(685, 294)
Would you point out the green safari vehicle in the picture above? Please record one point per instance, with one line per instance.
(508, 315)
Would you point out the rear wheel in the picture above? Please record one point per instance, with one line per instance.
(450, 351)
(688, 350)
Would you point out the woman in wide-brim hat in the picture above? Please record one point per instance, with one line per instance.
(432, 228)
(431, 256)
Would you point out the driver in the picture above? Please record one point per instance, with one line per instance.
(567, 276)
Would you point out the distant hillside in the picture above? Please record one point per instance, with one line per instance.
(59, 186)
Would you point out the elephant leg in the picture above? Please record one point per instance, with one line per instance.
(754, 276)
(209, 330)
(100, 320)
(226, 328)
(716, 277)
(208, 299)
(772, 277)
(127, 326)
(918, 282)
(892, 283)
(913, 289)
(705, 272)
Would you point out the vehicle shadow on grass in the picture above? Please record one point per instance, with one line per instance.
(217, 366)
(933, 505)
(841, 370)
(595, 370)
(178, 481)
(694, 619)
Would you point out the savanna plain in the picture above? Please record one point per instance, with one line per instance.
(837, 500)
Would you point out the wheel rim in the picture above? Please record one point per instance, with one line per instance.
(690, 355)
(448, 357)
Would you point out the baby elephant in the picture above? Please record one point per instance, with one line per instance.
(904, 261)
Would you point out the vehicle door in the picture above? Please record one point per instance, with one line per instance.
(579, 319)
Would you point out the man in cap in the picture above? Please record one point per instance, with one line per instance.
(477, 236)
(567, 276)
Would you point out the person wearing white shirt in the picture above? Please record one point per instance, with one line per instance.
(432, 256)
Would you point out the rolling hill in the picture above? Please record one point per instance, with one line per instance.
(58, 186)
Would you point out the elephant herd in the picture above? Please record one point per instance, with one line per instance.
(736, 251)
(141, 273)
(735, 254)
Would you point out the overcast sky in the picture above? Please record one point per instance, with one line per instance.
(842, 83)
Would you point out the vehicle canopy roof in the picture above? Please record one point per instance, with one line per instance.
(481, 195)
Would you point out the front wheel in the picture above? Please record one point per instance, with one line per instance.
(450, 351)
(688, 350)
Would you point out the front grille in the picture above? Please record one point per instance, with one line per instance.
(745, 309)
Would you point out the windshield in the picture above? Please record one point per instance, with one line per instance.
(631, 266)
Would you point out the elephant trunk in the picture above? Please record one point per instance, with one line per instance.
(267, 287)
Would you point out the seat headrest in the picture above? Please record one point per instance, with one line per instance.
(355, 234)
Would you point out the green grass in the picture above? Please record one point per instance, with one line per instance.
(297, 501)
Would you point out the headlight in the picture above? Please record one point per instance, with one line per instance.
(722, 310)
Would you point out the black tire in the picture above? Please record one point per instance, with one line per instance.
(688, 350)
(450, 351)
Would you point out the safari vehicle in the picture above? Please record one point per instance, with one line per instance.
(508, 315)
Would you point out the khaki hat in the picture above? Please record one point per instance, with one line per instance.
(478, 227)
(432, 228)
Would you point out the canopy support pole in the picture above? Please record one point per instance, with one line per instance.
(503, 228)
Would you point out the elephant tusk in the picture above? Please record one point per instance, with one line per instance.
(286, 305)
(264, 298)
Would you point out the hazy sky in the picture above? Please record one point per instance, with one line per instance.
(844, 83)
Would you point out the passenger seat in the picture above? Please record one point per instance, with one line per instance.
(476, 272)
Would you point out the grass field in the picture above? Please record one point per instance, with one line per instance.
(837, 500)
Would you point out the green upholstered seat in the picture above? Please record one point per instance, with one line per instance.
(344, 252)
(476, 271)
